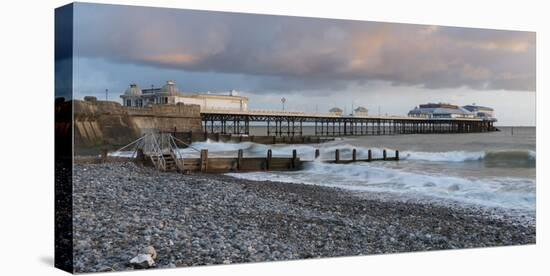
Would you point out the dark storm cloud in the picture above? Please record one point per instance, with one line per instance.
(291, 53)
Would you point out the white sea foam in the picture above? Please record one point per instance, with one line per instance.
(307, 152)
(126, 154)
(449, 156)
(505, 192)
(465, 156)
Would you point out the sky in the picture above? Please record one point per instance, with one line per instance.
(314, 63)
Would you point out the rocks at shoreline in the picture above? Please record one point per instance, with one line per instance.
(187, 220)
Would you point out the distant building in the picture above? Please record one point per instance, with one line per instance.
(360, 112)
(336, 111)
(480, 111)
(440, 110)
(169, 94)
(132, 96)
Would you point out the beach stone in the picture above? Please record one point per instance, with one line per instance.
(151, 251)
(142, 261)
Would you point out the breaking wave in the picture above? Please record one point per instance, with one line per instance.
(503, 192)
(462, 156)
(307, 152)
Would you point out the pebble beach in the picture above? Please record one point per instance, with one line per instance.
(120, 208)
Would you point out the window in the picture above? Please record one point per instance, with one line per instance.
(128, 102)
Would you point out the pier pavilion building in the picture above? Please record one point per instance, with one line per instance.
(440, 111)
(480, 111)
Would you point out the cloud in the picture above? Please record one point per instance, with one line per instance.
(293, 53)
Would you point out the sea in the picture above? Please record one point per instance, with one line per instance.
(492, 169)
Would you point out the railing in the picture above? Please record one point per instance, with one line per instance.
(156, 145)
(160, 162)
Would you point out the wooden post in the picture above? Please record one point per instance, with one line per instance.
(217, 136)
(370, 156)
(104, 153)
(268, 161)
(354, 155)
(294, 158)
(239, 159)
(396, 155)
(140, 156)
(317, 153)
(384, 154)
(337, 156)
(204, 160)
(274, 139)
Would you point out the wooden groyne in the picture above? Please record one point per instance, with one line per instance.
(206, 163)
(161, 150)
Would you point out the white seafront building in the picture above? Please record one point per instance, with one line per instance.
(170, 94)
(451, 111)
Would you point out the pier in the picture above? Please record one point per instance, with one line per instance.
(292, 124)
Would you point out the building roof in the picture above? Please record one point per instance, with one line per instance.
(440, 110)
(336, 109)
(133, 90)
(361, 109)
(473, 107)
(439, 105)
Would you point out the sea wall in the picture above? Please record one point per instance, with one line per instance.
(177, 117)
(108, 124)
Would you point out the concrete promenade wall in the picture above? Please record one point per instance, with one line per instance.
(167, 117)
(109, 125)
